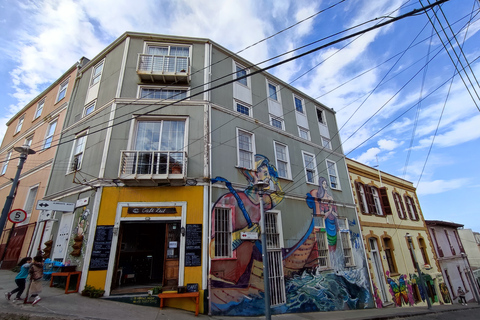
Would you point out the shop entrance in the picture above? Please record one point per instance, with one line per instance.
(147, 256)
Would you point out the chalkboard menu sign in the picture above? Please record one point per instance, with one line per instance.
(193, 245)
(101, 248)
(192, 287)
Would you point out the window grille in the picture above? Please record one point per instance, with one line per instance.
(223, 233)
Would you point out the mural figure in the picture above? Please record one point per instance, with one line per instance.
(236, 283)
(79, 232)
(401, 292)
(445, 293)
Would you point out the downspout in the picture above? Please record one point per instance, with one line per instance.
(209, 211)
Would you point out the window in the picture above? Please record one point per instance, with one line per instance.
(454, 292)
(452, 249)
(49, 136)
(423, 250)
(30, 202)
(299, 104)
(310, 167)
(5, 162)
(459, 242)
(242, 108)
(362, 199)
(412, 210)
(39, 109)
(276, 122)
(223, 232)
(333, 174)
(97, 73)
(321, 116)
(272, 91)
(28, 141)
(275, 272)
(388, 248)
(78, 151)
(376, 201)
(326, 143)
(163, 94)
(19, 124)
(89, 109)
(399, 205)
(304, 133)
(346, 241)
(241, 72)
(282, 160)
(62, 91)
(245, 149)
(322, 248)
(164, 58)
(461, 278)
(434, 236)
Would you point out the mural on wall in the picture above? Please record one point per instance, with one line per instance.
(445, 293)
(401, 291)
(236, 280)
(78, 237)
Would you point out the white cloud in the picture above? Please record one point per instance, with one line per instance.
(368, 156)
(440, 186)
(388, 145)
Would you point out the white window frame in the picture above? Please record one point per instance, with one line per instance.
(312, 168)
(302, 101)
(75, 154)
(48, 135)
(286, 161)
(346, 241)
(377, 201)
(326, 143)
(28, 141)
(166, 45)
(96, 77)
(361, 190)
(330, 174)
(62, 90)
(5, 163)
(240, 68)
(274, 237)
(29, 204)
(21, 119)
(251, 152)
(169, 88)
(324, 120)
(277, 91)
(88, 106)
(275, 118)
(306, 131)
(245, 105)
(224, 236)
(39, 109)
(323, 260)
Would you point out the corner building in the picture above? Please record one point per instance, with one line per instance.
(162, 148)
(389, 212)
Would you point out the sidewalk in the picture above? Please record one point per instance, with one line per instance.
(57, 305)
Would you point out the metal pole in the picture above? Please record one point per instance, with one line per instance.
(468, 271)
(422, 282)
(266, 280)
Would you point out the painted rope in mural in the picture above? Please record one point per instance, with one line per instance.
(236, 276)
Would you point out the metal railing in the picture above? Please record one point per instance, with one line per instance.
(163, 64)
(140, 164)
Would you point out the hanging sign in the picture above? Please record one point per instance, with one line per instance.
(150, 210)
(17, 215)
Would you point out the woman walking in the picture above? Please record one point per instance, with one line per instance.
(36, 275)
(20, 279)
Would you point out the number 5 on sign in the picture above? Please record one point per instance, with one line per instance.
(17, 215)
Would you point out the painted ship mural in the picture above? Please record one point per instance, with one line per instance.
(317, 273)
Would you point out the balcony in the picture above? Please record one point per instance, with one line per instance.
(144, 168)
(154, 68)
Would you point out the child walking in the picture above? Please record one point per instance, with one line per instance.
(20, 279)
(36, 275)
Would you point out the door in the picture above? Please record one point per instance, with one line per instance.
(61, 244)
(172, 249)
(378, 269)
(15, 244)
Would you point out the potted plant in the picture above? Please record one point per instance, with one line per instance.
(157, 290)
(92, 292)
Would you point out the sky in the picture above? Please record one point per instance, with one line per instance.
(400, 103)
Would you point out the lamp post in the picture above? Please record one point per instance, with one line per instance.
(24, 152)
(468, 271)
(420, 276)
(261, 185)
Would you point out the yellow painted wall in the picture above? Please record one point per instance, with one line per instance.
(192, 195)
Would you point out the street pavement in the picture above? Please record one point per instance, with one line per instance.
(56, 305)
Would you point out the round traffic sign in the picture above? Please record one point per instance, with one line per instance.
(17, 215)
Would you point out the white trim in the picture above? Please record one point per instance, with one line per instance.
(281, 120)
(162, 88)
(99, 77)
(243, 104)
(315, 168)
(302, 100)
(289, 170)
(300, 128)
(90, 104)
(108, 135)
(46, 133)
(19, 126)
(339, 187)
(324, 122)
(253, 151)
(247, 72)
(122, 68)
(277, 90)
(41, 102)
(79, 135)
(64, 83)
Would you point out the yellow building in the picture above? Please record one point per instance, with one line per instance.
(389, 213)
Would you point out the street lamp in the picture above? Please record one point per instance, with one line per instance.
(24, 152)
(420, 276)
(260, 186)
(468, 271)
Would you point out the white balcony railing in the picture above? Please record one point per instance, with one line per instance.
(159, 67)
(152, 165)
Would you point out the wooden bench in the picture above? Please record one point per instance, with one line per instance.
(68, 275)
(168, 295)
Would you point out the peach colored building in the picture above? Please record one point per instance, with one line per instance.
(37, 125)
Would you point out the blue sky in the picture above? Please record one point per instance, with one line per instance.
(378, 80)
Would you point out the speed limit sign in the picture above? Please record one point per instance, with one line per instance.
(17, 215)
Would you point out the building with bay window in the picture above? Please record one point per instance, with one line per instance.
(161, 152)
(389, 211)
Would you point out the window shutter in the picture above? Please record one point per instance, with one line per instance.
(359, 196)
(402, 206)
(385, 203)
(369, 197)
(414, 209)
(410, 213)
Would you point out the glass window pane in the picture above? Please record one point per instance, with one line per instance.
(298, 105)
(272, 91)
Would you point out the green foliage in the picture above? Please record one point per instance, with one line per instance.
(157, 290)
(92, 292)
